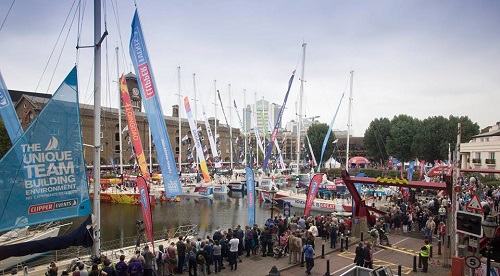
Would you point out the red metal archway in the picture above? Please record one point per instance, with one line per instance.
(360, 207)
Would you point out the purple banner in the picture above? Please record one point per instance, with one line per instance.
(276, 126)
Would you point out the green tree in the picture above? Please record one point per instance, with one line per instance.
(375, 139)
(431, 143)
(402, 132)
(317, 134)
(5, 143)
(439, 134)
(469, 129)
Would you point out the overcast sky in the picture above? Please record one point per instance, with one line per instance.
(421, 58)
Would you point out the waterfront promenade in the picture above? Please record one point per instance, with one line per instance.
(401, 254)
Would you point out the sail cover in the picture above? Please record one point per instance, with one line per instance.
(50, 182)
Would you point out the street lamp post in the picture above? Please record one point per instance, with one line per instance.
(272, 194)
(489, 228)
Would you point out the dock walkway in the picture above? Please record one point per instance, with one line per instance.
(339, 261)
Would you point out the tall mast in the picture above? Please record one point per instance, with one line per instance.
(150, 153)
(215, 112)
(245, 123)
(97, 127)
(349, 125)
(119, 111)
(256, 127)
(299, 129)
(195, 122)
(230, 128)
(179, 117)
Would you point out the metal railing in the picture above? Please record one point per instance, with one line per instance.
(112, 248)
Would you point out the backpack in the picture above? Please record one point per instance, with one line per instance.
(192, 256)
(134, 270)
(159, 257)
(165, 257)
(121, 268)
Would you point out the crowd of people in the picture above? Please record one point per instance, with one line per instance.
(295, 235)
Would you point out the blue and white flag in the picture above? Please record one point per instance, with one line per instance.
(250, 182)
(276, 126)
(50, 182)
(152, 107)
(411, 170)
(328, 134)
(8, 113)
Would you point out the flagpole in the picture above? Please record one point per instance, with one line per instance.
(245, 123)
(195, 122)
(230, 128)
(299, 129)
(215, 109)
(97, 127)
(215, 124)
(349, 125)
(150, 155)
(119, 111)
(179, 118)
(256, 125)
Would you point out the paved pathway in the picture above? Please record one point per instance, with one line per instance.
(340, 262)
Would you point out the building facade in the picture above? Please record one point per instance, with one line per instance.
(481, 151)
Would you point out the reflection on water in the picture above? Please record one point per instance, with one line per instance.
(118, 220)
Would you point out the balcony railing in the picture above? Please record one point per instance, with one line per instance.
(490, 161)
(476, 160)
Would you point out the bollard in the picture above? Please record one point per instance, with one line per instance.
(439, 247)
(414, 263)
(302, 259)
(327, 268)
(430, 256)
(274, 271)
(322, 251)
(346, 243)
(361, 236)
(399, 269)
(341, 244)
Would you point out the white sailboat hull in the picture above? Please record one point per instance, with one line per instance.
(13, 261)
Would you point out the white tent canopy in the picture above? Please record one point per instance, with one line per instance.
(332, 163)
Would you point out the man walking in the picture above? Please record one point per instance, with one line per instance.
(368, 256)
(308, 251)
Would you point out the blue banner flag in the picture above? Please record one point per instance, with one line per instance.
(152, 107)
(411, 170)
(276, 126)
(328, 134)
(50, 182)
(8, 113)
(250, 181)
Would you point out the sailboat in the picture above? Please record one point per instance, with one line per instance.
(48, 184)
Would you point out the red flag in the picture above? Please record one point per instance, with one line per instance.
(146, 208)
(313, 191)
(422, 169)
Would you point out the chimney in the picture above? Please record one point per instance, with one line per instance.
(175, 111)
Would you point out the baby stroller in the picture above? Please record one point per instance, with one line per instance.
(279, 251)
